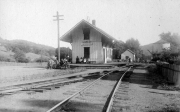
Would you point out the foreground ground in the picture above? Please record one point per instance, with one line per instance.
(144, 92)
(12, 75)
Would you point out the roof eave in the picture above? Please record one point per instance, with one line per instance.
(66, 36)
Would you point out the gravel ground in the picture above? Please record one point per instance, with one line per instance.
(35, 101)
(144, 98)
(11, 74)
(94, 99)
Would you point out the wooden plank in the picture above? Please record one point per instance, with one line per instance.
(178, 77)
(47, 88)
(173, 72)
(170, 73)
(37, 90)
(175, 75)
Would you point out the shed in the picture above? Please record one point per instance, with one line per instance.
(128, 54)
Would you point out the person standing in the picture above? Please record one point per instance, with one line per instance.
(50, 64)
(81, 60)
(56, 63)
(77, 59)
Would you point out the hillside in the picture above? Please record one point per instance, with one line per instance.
(156, 47)
(5, 54)
(26, 46)
(145, 49)
(153, 47)
(32, 51)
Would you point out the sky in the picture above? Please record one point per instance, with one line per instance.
(32, 20)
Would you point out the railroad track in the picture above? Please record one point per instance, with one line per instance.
(54, 91)
(86, 91)
(118, 96)
(43, 85)
(40, 86)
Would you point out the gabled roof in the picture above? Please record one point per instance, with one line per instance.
(67, 34)
(120, 41)
(129, 51)
(161, 42)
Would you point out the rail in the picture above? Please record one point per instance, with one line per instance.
(67, 99)
(116, 88)
(48, 82)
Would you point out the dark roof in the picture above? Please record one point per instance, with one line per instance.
(92, 26)
(129, 51)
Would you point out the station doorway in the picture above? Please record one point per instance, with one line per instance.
(86, 52)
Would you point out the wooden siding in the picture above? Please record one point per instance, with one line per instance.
(77, 50)
(96, 50)
(129, 54)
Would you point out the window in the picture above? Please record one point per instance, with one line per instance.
(86, 32)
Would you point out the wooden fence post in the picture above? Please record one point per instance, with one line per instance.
(178, 76)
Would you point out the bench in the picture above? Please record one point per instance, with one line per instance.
(92, 62)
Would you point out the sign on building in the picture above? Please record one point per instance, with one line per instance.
(86, 43)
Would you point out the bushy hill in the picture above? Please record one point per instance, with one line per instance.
(31, 50)
(27, 46)
(6, 55)
(32, 56)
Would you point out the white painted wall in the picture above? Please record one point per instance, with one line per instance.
(127, 53)
(109, 53)
(96, 50)
(166, 46)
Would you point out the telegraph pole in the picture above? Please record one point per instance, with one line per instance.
(58, 19)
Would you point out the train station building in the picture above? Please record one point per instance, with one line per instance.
(89, 42)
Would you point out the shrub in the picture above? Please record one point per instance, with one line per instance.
(23, 60)
(178, 60)
(42, 59)
(7, 59)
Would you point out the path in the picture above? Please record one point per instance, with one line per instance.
(143, 98)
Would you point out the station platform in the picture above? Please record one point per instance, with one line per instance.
(100, 66)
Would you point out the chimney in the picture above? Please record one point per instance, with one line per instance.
(94, 22)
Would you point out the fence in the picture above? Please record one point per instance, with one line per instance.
(170, 72)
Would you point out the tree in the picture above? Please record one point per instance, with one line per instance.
(170, 55)
(42, 59)
(171, 38)
(20, 56)
(133, 45)
(64, 52)
(119, 47)
(51, 52)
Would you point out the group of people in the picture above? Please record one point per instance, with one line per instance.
(50, 64)
(56, 64)
(63, 62)
(81, 60)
